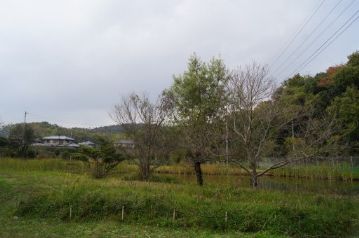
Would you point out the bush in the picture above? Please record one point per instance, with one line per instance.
(101, 159)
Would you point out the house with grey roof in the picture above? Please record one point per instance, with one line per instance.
(59, 141)
(125, 143)
(87, 144)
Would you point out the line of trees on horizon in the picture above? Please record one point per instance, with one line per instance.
(212, 113)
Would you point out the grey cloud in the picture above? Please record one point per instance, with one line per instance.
(70, 61)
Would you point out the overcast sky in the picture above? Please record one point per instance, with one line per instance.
(69, 61)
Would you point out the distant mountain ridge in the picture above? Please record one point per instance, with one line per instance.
(43, 129)
(108, 129)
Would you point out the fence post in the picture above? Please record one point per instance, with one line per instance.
(70, 212)
(122, 213)
(352, 168)
(174, 215)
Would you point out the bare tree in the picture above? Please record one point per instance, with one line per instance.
(142, 120)
(252, 115)
(315, 138)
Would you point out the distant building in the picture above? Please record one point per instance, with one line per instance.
(87, 144)
(72, 145)
(125, 144)
(58, 140)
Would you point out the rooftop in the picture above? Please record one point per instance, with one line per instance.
(87, 143)
(58, 138)
(125, 142)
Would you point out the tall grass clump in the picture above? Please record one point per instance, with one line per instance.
(26, 165)
(208, 169)
(323, 171)
(213, 208)
(339, 171)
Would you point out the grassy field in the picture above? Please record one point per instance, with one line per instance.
(54, 198)
(340, 171)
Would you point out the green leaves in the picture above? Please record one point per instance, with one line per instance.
(199, 91)
(331, 95)
(102, 158)
(346, 108)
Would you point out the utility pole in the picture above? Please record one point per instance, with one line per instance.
(227, 160)
(293, 147)
(24, 134)
(25, 115)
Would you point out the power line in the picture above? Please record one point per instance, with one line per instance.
(318, 36)
(329, 41)
(334, 35)
(307, 38)
(339, 34)
(298, 32)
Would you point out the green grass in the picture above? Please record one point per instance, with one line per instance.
(14, 188)
(38, 194)
(209, 169)
(41, 228)
(324, 170)
(340, 171)
(43, 165)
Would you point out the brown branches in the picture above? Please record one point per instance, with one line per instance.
(143, 122)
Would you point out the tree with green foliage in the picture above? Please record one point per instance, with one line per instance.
(346, 109)
(3, 146)
(323, 109)
(199, 102)
(21, 136)
(102, 159)
(353, 59)
(3, 142)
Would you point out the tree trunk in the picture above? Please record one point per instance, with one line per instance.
(198, 170)
(254, 180)
(254, 175)
(145, 170)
